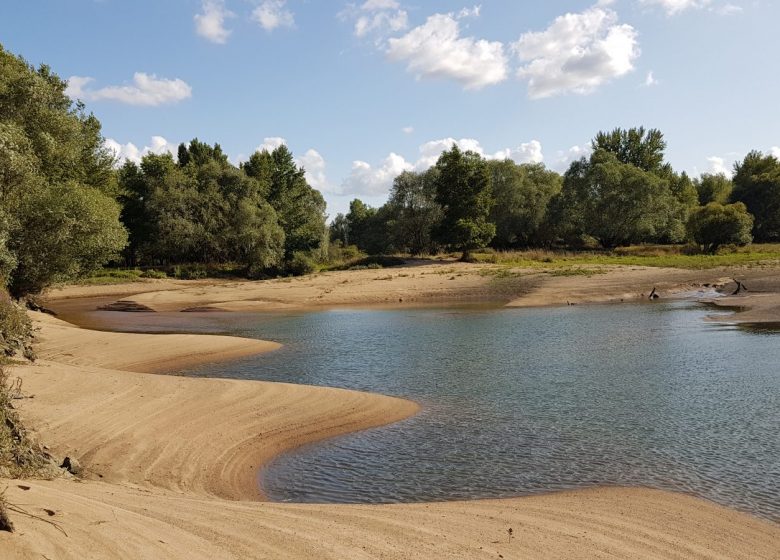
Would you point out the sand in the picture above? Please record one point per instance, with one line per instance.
(171, 465)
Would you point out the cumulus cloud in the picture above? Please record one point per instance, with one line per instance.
(314, 164)
(271, 143)
(379, 17)
(271, 14)
(717, 165)
(564, 158)
(210, 24)
(436, 49)
(130, 152)
(775, 151)
(146, 90)
(577, 53)
(369, 180)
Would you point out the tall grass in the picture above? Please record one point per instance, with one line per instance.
(673, 256)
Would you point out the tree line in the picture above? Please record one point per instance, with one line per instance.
(623, 193)
(66, 209)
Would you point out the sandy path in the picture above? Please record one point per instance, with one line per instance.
(176, 454)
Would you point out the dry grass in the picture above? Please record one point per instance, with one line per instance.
(20, 456)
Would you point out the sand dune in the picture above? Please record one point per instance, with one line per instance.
(171, 466)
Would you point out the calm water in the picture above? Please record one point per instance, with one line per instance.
(524, 401)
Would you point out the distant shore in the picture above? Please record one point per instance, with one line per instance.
(171, 461)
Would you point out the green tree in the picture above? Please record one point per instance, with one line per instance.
(523, 194)
(615, 202)
(464, 192)
(635, 146)
(56, 182)
(757, 186)
(414, 211)
(716, 224)
(713, 188)
(369, 228)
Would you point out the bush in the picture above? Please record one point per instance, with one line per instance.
(716, 224)
(300, 264)
(190, 272)
(155, 274)
(16, 330)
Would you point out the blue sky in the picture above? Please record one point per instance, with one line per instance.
(362, 90)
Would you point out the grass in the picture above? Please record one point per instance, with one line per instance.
(673, 256)
(112, 276)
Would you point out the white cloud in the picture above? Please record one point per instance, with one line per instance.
(650, 80)
(674, 7)
(578, 53)
(272, 14)
(211, 23)
(436, 49)
(271, 143)
(565, 158)
(314, 164)
(775, 151)
(717, 165)
(374, 181)
(147, 90)
(378, 16)
(130, 152)
(377, 180)
(727, 10)
(407, 129)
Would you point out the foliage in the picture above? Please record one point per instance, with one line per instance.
(715, 225)
(300, 264)
(641, 148)
(57, 217)
(757, 186)
(523, 194)
(664, 256)
(414, 212)
(713, 188)
(16, 330)
(369, 228)
(464, 192)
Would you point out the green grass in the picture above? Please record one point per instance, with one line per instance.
(112, 276)
(656, 256)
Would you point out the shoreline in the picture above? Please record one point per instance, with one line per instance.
(167, 459)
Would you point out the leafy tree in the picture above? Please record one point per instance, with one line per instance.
(339, 230)
(369, 228)
(56, 182)
(716, 224)
(757, 185)
(464, 192)
(635, 146)
(415, 212)
(523, 194)
(616, 203)
(713, 188)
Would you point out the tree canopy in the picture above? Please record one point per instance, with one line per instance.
(757, 186)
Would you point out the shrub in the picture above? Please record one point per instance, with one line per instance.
(16, 331)
(300, 264)
(155, 274)
(190, 272)
(716, 224)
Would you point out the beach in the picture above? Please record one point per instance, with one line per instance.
(171, 462)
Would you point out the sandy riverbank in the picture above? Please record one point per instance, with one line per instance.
(426, 283)
(171, 461)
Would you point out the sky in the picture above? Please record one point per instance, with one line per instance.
(361, 91)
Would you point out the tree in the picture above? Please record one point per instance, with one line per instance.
(56, 182)
(523, 194)
(464, 192)
(757, 185)
(635, 146)
(716, 224)
(713, 188)
(415, 212)
(369, 228)
(615, 202)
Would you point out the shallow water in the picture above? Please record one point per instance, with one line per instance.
(533, 400)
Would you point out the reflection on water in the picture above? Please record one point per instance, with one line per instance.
(523, 401)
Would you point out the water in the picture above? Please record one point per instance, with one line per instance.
(524, 401)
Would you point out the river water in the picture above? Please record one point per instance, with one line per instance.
(530, 400)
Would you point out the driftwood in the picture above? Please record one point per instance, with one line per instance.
(740, 287)
(654, 294)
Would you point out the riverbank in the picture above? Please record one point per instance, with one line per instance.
(170, 465)
(427, 283)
